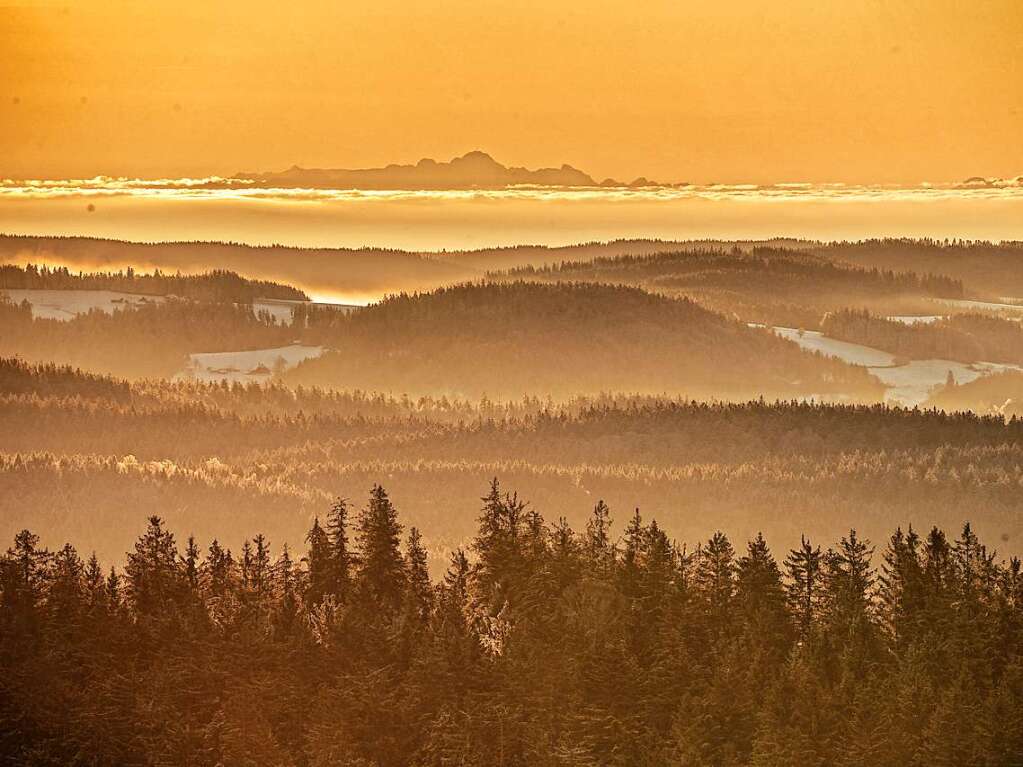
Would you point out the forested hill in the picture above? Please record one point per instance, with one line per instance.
(985, 269)
(84, 413)
(216, 286)
(963, 337)
(357, 273)
(506, 340)
(994, 269)
(80, 453)
(147, 341)
(1001, 394)
(543, 644)
(769, 285)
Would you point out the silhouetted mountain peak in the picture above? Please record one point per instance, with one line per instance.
(472, 170)
(477, 156)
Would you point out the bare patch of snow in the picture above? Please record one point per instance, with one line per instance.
(66, 304)
(909, 384)
(256, 365)
(854, 354)
(283, 309)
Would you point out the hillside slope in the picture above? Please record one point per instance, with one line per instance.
(506, 340)
(769, 285)
(366, 273)
(993, 269)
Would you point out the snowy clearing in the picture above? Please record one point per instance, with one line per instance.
(257, 365)
(987, 306)
(282, 308)
(66, 304)
(854, 354)
(909, 384)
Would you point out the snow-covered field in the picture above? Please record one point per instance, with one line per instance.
(854, 354)
(912, 383)
(908, 384)
(280, 310)
(65, 304)
(988, 306)
(257, 365)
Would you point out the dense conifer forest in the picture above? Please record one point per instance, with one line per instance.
(147, 341)
(1002, 394)
(987, 268)
(81, 453)
(363, 272)
(770, 285)
(963, 337)
(995, 269)
(901, 651)
(507, 340)
(217, 286)
(575, 339)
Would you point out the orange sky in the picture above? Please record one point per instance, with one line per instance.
(698, 90)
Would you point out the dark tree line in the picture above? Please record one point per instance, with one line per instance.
(216, 285)
(993, 269)
(962, 337)
(581, 339)
(772, 267)
(79, 454)
(1000, 394)
(540, 645)
(152, 340)
(470, 339)
(771, 285)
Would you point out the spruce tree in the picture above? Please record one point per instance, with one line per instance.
(154, 578)
(761, 601)
(381, 566)
(339, 573)
(633, 556)
(600, 549)
(191, 564)
(715, 582)
(805, 588)
(503, 534)
(24, 573)
(319, 565)
(417, 574)
(260, 569)
(218, 570)
(93, 577)
(66, 583)
(901, 588)
(286, 585)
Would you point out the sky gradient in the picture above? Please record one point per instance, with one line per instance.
(898, 91)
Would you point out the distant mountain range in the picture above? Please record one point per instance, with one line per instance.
(992, 183)
(475, 170)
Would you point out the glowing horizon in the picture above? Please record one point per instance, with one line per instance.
(217, 187)
(738, 91)
(430, 221)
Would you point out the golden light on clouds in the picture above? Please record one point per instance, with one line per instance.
(730, 91)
